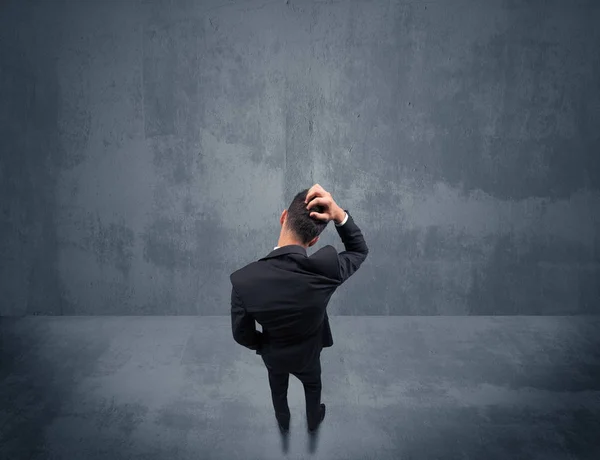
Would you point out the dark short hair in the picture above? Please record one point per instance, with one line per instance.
(299, 221)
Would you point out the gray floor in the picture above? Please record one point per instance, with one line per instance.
(395, 388)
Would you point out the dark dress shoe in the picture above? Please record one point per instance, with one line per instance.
(284, 427)
(314, 429)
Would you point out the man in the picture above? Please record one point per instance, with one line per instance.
(287, 293)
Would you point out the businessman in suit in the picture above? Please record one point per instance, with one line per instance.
(287, 293)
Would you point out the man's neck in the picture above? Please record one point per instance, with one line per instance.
(280, 244)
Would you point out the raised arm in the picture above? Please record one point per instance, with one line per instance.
(356, 251)
(356, 248)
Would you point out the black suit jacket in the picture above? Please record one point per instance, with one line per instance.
(287, 293)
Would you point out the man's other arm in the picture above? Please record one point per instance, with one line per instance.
(243, 325)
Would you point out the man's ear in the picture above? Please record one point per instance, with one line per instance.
(283, 216)
(313, 241)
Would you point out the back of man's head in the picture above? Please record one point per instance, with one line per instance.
(299, 221)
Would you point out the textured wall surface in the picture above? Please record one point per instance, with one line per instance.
(147, 149)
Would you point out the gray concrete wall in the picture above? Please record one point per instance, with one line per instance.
(148, 148)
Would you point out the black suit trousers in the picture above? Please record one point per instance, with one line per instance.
(310, 376)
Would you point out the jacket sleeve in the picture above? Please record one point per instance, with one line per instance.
(243, 325)
(356, 251)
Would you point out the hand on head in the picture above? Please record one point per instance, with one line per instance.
(318, 196)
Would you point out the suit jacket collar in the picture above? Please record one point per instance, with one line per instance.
(290, 249)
